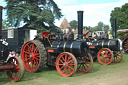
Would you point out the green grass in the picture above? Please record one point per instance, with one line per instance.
(51, 77)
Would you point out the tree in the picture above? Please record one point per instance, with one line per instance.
(73, 24)
(39, 14)
(101, 27)
(121, 16)
(87, 28)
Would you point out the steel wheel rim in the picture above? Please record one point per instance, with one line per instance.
(86, 66)
(105, 56)
(15, 73)
(117, 56)
(66, 64)
(30, 56)
(125, 45)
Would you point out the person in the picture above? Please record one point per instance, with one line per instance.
(11, 54)
(70, 34)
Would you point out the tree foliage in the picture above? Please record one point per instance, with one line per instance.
(121, 16)
(39, 14)
(101, 27)
(73, 24)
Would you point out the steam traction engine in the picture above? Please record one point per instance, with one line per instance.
(14, 66)
(62, 51)
(106, 50)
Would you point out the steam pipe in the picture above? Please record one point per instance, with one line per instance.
(114, 28)
(80, 24)
(1, 8)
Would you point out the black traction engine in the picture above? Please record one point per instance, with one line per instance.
(106, 50)
(60, 51)
(14, 66)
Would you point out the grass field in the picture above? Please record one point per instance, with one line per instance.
(113, 74)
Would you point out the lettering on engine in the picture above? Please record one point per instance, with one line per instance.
(4, 42)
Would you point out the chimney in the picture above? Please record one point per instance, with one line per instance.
(80, 24)
(1, 8)
(114, 28)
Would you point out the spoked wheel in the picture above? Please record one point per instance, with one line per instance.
(105, 56)
(117, 56)
(85, 63)
(33, 55)
(66, 64)
(125, 45)
(17, 72)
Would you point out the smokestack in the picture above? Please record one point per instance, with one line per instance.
(80, 24)
(1, 8)
(114, 28)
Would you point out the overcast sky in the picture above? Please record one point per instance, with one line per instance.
(94, 10)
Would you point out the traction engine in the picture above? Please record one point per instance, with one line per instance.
(14, 66)
(60, 51)
(106, 50)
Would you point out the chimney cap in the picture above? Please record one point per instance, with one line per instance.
(1, 7)
(80, 11)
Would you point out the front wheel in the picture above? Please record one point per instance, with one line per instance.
(17, 73)
(105, 56)
(66, 64)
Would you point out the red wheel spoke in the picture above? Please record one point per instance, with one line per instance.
(70, 67)
(37, 54)
(65, 58)
(71, 64)
(79, 66)
(87, 65)
(17, 67)
(69, 70)
(26, 52)
(61, 61)
(64, 69)
(84, 67)
(36, 49)
(60, 64)
(37, 59)
(29, 49)
(70, 61)
(27, 59)
(32, 47)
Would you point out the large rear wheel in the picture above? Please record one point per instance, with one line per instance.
(17, 73)
(66, 64)
(33, 55)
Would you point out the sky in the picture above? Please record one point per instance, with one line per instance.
(94, 10)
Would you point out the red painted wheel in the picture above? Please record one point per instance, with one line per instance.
(33, 55)
(17, 72)
(105, 56)
(66, 64)
(85, 63)
(117, 56)
(125, 45)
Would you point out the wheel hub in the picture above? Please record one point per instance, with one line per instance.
(64, 64)
(104, 56)
(31, 56)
